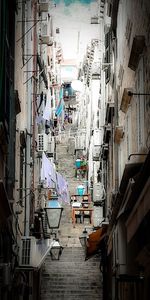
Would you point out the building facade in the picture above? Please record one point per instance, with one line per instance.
(127, 155)
(29, 97)
(111, 119)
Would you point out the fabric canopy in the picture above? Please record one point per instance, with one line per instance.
(94, 241)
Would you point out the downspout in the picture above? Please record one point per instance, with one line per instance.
(30, 132)
(34, 104)
(115, 121)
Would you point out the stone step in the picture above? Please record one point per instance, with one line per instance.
(71, 277)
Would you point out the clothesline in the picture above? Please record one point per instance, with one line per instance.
(53, 179)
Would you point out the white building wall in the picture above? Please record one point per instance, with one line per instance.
(134, 121)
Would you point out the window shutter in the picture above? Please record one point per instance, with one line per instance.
(107, 56)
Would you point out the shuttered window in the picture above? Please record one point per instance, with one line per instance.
(140, 105)
(107, 56)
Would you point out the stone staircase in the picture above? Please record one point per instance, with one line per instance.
(70, 278)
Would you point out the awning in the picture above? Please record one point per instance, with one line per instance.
(94, 241)
(136, 51)
(130, 171)
(5, 210)
(139, 204)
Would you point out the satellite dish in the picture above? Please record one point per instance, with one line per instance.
(77, 85)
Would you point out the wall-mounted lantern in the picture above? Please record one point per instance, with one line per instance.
(83, 238)
(56, 250)
(53, 212)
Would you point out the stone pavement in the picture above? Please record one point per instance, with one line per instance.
(71, 277)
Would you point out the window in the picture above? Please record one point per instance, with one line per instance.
(140, 107)
(107, 56)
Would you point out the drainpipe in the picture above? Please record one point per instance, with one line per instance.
(34, 101)
(115, 122)
(29, 66)
(31, 109)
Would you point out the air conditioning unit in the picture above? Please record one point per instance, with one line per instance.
(45, 37)
(27, 257)
(94, 20)
(42, 142)
(98, 192)
(96, 153)
(96, 156)
(97, 137)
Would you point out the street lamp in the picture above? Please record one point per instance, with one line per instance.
(56, 250)
(83, 238)
(53, 213)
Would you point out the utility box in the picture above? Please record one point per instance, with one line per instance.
(98, 192)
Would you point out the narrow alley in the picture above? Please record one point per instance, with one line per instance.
(71, 277)
(74, 149)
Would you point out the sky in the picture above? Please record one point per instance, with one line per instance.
(76, 31)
